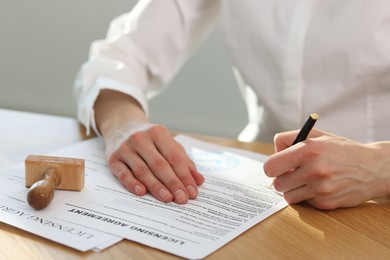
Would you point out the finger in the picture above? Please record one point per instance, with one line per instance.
(284, 140)
(298, 195)
(182, 166)
(178, 160)
(338, 193)
(198, 177)
(290, 180)
(325, 195)
(319, 202)
(159, 167)
(142, 172)
(317, 190)
(126, 177)
(306, 182)
(285, 161)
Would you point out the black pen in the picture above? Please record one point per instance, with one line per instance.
(302, 135)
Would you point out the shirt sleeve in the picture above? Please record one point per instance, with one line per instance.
(142, 51)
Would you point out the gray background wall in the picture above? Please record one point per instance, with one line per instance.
(44, 42)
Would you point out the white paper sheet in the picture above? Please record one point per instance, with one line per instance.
(15, 211)
(234, 197)
(16, 137)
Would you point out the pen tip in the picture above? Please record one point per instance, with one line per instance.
(314, 116)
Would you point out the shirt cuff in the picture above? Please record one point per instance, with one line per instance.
(86, 113)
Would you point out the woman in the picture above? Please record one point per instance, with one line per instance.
(290, 58)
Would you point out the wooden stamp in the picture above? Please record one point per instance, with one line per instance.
(44, 174)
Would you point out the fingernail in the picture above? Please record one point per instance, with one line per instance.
(180, 196)
(164, 194)
(138, 190)
(192, 191)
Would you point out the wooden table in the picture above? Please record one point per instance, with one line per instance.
(297, 232)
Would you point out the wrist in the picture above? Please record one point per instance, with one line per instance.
(380, 166)
(115, 110)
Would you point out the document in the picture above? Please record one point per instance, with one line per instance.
(236, 195)
(15, 211)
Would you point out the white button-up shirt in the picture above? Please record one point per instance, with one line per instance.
(291, 58)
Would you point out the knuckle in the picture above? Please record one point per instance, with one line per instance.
(115, 165)
(136, 138)
(324, 189)
(175, 158)
(158, 164)
(277, 185)
(124, 148)
(140, 171)
(112, 161)
(121, 174)
(313, 147)
(320, 174)
(158, 129)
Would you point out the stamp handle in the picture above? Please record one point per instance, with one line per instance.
(41, 193)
